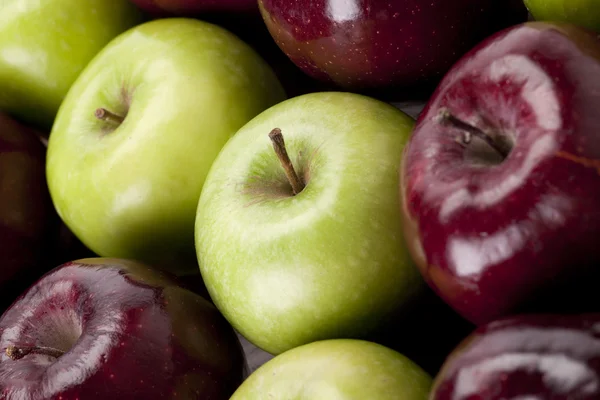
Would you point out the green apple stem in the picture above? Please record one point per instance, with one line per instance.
(279, 145)
(105, 115)
(502, 147)
(16, 352)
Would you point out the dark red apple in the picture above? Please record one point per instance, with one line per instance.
(501, 176)
(369, 44)
(194, 7)
(550, 357)
(28, 221)
(104, 328)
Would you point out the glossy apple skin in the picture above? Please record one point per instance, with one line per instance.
(329, 262)
(341, 369)
(128, 332)
(519, 235)
(131, 190)
(194, 7)
(361, 45)
(44, 46)
(543, 356)
(28, 222)
(584, 13)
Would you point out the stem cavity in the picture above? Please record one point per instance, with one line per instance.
(18, 352)
(279, 146)
(105, 115)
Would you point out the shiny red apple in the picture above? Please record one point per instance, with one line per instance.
(501, 177)
(104, 328)
(28, 222)
(550, 357)
(372, 44)
(194, 7)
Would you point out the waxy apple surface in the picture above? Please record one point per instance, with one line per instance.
(525, 357)
(44, 46)
(583, 13)
(28, 222)
(341, 369)
(500, 179)
(115, 329)
(128, 185)
(330, 261)
(375, 44)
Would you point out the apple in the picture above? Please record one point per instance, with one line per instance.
(44, 46)
(28, 222)
(342, 369)
(538, 356)
(366, 45)
(500, 179)
(195, 7)
(583, 13)
(298, 231)
(136, 135)
(102, 328)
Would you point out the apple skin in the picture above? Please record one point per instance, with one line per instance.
(28, 222)
(127, 332)
(520, 234)
(43, 51)
(341, 369)
(329, 262)
(583, 13)
(130, 190)
(544, 356)
(365, 45)
(195, 7)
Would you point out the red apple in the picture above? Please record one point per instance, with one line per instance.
(553, 357)
(104, 328)
(194, 7)
(376, 44)
(501, 177)
(28, 221)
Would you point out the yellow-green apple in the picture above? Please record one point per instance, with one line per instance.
(341, 369)
(139, 129)
(103, 328)
(44, 46)
(28, 223)
(500, 179)
(298, 230)
(583, 13)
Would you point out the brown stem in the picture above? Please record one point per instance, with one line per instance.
(105, 115)
(279, 145)
(500, 146)
(18, 352)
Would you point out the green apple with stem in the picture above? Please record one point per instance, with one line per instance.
(44, 46)
(298, 229)
(583, 13)
(340, 369)
(139, 129)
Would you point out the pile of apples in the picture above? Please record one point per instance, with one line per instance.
(176, 175)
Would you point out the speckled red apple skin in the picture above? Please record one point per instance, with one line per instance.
(142, 337)
(367, 44)
(521, 235)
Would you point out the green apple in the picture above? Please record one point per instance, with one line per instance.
(330, 261)
(584, 13)
(44, 46)
(340, 369)
(139, 129)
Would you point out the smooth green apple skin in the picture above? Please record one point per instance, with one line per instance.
(185, 86)
(584, 13)
(329, 262)
(44, 46)
(339, 369)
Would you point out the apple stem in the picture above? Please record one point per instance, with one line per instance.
(279, 145)
(501, 147)
(105, 115)
(16, 353)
